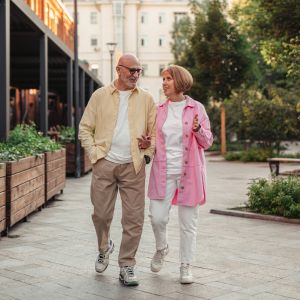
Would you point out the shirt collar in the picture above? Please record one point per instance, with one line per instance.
(189, 102)
(113, 89)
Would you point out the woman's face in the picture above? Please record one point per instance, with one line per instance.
(168, 85)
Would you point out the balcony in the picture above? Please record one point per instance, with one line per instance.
(55, 16)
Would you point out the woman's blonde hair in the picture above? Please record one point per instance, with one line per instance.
(183, 79)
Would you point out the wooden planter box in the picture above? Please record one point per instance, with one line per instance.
(2, 198)
(85, 162)
(55, 173)
(25, 183)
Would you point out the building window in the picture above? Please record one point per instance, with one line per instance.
(145, 69)
(144, 18)
(142, 42)
(118, 8)
(161, 68)
(93, 17)
(179, 15)
(94, 42)
(160, 42)
(161, 18)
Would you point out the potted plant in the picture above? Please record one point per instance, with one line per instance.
(23, 153)
(67, 137)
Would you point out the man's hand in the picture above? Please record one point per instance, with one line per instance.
(144, 142)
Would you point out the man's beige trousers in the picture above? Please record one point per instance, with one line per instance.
(107, 179)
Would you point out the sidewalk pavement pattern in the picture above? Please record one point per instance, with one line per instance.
(52, 255)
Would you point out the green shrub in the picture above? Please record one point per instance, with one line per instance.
(231, 156)
(25, 140)
(66, 134)
(279, 197)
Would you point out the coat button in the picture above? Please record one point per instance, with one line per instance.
(182, 187)
(186, 148)
(184, 174)
(186, 135)
(186, 123)
(186, 162)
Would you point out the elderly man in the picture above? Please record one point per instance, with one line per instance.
(118, 131)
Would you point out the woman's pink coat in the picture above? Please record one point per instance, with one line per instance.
(192, 187)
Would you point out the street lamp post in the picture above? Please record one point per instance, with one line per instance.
(111, 48)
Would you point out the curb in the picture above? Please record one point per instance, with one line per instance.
(250, 215)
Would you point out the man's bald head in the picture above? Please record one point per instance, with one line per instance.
(128, 59)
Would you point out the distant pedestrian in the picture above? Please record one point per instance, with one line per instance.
(178, 173)
(118, 131)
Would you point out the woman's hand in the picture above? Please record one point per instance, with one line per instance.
(196, 125)
(144, 142)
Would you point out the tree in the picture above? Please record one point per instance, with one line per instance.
(217, 56)
(275, 28)
(181, 35)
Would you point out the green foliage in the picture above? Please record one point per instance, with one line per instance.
(273, 27)
(23, 141)
(181, 35)
(279, 197)
(268, 117)
(216, 55)
(252, 154)
(66, 134)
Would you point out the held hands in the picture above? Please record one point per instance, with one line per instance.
(196, 125)
(144, 142)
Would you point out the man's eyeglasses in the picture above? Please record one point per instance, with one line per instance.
(132, 70)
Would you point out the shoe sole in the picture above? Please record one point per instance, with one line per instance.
(126, 283)
(155, 270)
(186, 281)
(110, 252)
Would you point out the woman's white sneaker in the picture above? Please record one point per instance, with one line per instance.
(186, 275)
(158, 259)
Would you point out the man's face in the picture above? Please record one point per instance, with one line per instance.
(129, 73)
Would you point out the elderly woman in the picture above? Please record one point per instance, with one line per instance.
(178, 173)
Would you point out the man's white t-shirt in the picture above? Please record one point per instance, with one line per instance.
(120, 148)
(172, 130)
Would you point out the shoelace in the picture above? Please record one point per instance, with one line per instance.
(101, 257)
(160, 254)
(129, 271)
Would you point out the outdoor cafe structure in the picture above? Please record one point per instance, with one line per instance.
(39, 80)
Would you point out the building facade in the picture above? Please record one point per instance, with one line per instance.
(142, 27)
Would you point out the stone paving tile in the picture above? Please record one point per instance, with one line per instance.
(52, 255)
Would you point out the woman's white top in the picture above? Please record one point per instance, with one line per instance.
(172, 130)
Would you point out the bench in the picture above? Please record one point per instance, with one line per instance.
(274, 164)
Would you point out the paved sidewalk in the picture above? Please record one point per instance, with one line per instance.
(52, 255)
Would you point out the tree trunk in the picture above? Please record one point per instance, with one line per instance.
(223, 130)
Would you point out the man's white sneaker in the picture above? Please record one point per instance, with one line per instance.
(158, 259)
(102, 260)
(127, 276)
(186, 275)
